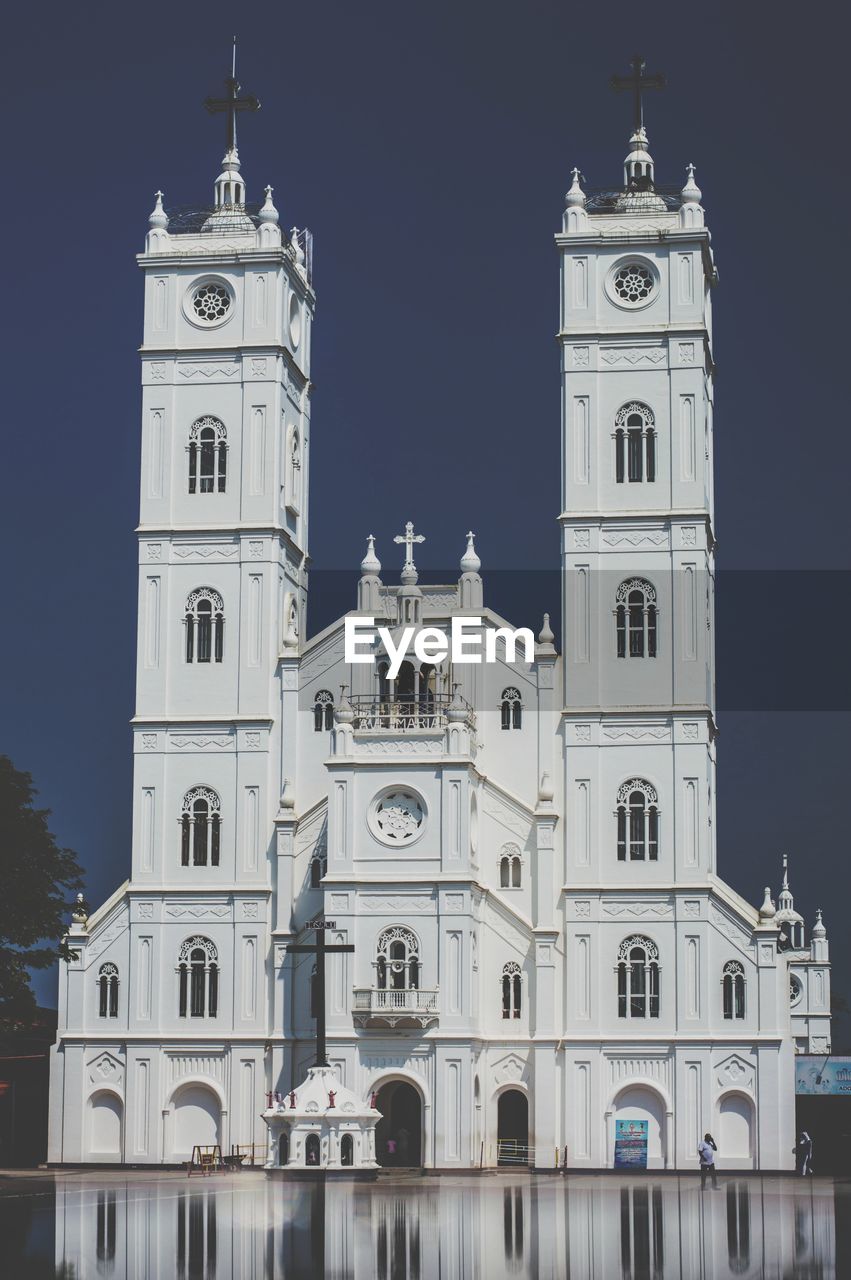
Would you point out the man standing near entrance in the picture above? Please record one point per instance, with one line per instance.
(706, 1150)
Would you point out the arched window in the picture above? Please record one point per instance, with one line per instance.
(208, 456)
(198, 979)
(108, 991)
(311, 1149)
(733, 989)
(397, 965)
(510, 867)
(638, 822)
(318, 867)
(512, 990)
(205, 626)
(323, 711)
(638, 978)
(636, 617)
(200, 828)
(635, 444)
(512, 708)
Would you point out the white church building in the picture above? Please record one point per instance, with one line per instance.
(522, 853)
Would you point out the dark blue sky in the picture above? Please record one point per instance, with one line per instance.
(428, 147)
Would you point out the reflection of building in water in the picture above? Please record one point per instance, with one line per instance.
(521, 852)
(495, 1229)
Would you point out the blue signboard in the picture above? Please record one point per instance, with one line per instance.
(630, 1144)
(822, 1075)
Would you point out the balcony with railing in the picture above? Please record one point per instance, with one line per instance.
(432, 711)
(395, 1007)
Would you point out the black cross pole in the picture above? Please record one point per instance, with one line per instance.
(320, 949)
(232, 103)
(638, 82)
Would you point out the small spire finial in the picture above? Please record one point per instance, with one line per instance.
(470, 562)
(575, 197)
(370, 563)
(268, 212)
(158, 216)
(768, 910)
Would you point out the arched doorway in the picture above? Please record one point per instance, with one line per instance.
(735, 1130)
(311, 1149)
(512, 1128)
(398, 1134)
(196, 1120)
(106, 1113)
(640, 1103)
(347, 1149)
(284, 1149)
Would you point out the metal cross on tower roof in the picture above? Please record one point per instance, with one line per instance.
(409, 538)
(638, 82)
(232, 103)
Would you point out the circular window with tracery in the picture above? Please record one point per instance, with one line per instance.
(633, 283)
(795, 990)
(397, 817)
(211, 302)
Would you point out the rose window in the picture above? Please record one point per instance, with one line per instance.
(398, 817)
(211, 302)
(633, 282)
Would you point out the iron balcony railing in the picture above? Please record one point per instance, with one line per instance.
(411, 1000)
(427, 712)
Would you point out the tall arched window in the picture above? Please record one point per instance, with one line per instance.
(636, 617)
(200, 828)
(638, 978)
(208, 456)
(733, 989)
(635, 444)
(510, 867)
(198, 979)
(397, 965)
(205, 626)
(638, 822)
(318, 867)
(512, 708)
(512, 990)
(108, 991)
(323, 711)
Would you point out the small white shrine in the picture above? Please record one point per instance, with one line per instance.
(321, 1125)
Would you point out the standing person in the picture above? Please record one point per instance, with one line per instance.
(391, 1150)
(706, 1150)
(804, 1154)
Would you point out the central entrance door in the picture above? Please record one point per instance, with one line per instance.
(513, 1128)
(398, 1134)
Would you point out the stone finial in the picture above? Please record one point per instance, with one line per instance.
(370, 563)
(575, 197)
(287, 795)
(819, 930)
(545, 789)
(470, 562)
(268, 212)
(691, 192)
(546, 637)
(80, 913)
(344, 712)
(768, 910)
(298, 252)
(158, 216)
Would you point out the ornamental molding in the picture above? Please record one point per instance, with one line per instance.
(582, 909)
(582, 538)
(400, 746)
(106, 1069)
(626, 789)
(729, 929)
(257, 366)
(255, 550)
(636, 537)
(208, 369)
(339, 902)
(650, 1067)
(685, 351)
(507, 818)
(511, 1067)
(638, 732)
(581, 357)
(636, 584)
(103, 940)
(197, 911)
(582, 732)
(453, 903)
(200, 741)
(690, 732)
(156, 368)
(212, 1065)
(149, 741)
(691, 909)
(688, 536)
(250, 910)
(154, 550)
(145, 910)
(413, 903)
(639, 910)
(735, 1071)
(633, 355)
(206, 551)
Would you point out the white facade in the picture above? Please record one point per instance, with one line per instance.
(522, 853)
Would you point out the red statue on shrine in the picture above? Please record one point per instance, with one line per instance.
(374, 1100)
(331, 1096)
(292, 1099)
(269, 1100)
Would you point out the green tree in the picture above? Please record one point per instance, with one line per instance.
(37, 880)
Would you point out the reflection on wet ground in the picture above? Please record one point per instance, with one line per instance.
(136, 1225)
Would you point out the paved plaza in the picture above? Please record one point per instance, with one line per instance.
(407, 1226)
